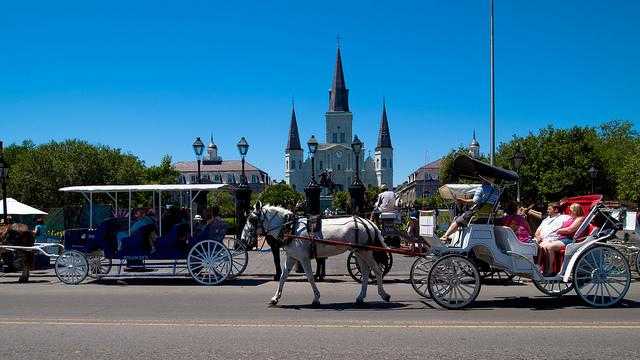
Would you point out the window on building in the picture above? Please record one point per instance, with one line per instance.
(193, 178)
(286, 164)
(390, 163)
(384, 163)
(377, 163)
(339, 167)
(299, 164)
(254, 179)
(231, 179)
(342, 138)
(217, 178)
(335, 137)
(321, 165)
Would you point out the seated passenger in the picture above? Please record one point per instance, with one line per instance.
(216, 228)
(487, 194)
(386, 203)
(517, 222)
(563, 235)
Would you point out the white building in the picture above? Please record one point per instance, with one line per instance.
(335, 155)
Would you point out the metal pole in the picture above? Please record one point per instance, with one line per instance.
(243, 180)
(4, 186)
(90, 210)
(358, 167)
(129, 212)
(492, 125)
(199, 178)
(518, 194)
(313, 168)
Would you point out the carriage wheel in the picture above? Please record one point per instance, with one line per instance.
(454, 282)
(209, 262)
(602, 276)
(239, 256)
(354, 269)
(98, 266)
(419, 275)
(72, 267)
(555, 288)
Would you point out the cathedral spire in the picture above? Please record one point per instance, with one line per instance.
(338, 94)
(384, 136)
(294, 137)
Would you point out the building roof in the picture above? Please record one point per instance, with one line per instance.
(338, 94)
(225, 165)
(127, 188)
(384, 136)
(294, 137)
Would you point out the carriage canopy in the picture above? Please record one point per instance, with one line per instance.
(466, 166)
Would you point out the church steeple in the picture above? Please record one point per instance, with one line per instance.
(294, 137)
(338, 94)
(384, 136)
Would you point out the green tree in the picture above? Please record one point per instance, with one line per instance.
(430, 202)
(164, 173)
(371, 195)
(629, 173)
(281, 195)
(224, 200)
(38, 171)
(341, 200)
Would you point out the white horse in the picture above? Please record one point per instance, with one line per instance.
(272, 221)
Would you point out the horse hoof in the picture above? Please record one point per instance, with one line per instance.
(273, 302)
(23, 280)
(315, 302)
(386, 297)
(359, 301)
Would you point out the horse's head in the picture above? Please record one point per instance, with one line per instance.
(263, 220)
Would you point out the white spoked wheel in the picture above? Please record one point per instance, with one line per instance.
(209, 262)
(555, 288)
(454, 282)
(354, 269)
(98, 265)
(602, 276)
(239, 256)
(72, 267)
(419, 275)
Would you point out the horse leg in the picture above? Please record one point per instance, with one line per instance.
(306, 265)
(377, 269)
(320, 268)
(275, 251)
(287, 267)
(364, 271)
(27, 260)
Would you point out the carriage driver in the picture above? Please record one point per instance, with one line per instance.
(386, 202)
(486, 194)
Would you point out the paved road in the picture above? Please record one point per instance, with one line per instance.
(177, 319)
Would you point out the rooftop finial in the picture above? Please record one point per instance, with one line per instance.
(338, 41)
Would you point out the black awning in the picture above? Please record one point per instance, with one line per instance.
(466, 166)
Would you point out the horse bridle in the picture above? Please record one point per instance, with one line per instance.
(260, 219)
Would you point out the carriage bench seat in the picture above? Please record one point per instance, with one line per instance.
(507, 241)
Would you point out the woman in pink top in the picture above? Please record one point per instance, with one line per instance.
(518, 223)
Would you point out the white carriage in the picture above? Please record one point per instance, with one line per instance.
(597, 271)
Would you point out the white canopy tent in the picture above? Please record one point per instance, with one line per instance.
(15, 207)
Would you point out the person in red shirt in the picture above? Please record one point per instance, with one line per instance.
(517, 222)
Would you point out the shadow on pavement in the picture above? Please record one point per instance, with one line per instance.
(348, 306)
(150, 281)
(544, 303)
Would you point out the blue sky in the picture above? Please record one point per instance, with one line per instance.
(149, 76)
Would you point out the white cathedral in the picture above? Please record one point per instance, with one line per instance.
(335, 155)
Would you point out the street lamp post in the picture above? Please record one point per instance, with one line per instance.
(593, 172)
(243, 192)
(312, 191)
(356, 190)
(198, 148)
(516, 162)
(4, 173)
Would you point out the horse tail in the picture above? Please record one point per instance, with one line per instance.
(381, 257)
